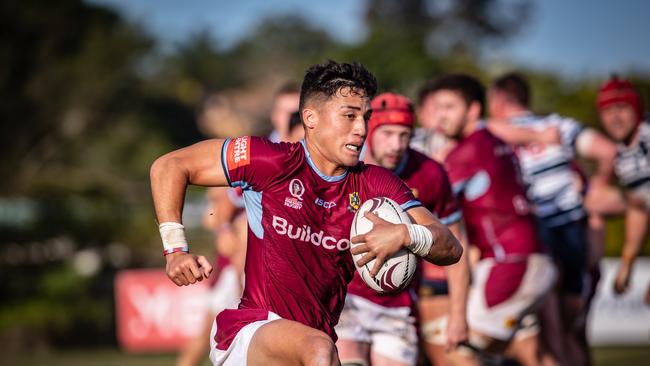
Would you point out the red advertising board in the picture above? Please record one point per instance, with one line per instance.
(153, 314)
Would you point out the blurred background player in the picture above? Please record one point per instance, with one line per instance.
(512, 276)
(427, 138)
(621, 114)
(296, 130)
(285, 102)
(380, 329)
(558, 205)
(431, 140)
(224, 217)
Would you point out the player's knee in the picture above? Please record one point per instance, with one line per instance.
(319, 351)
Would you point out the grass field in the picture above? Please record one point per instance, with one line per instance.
(111, 357)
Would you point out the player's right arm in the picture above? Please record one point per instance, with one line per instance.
(386, 239)
(636, 228)
(199, 164)
(516, 135)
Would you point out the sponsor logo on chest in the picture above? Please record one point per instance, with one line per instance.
(307, 234)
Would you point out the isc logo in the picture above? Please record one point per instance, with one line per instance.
(323, 203)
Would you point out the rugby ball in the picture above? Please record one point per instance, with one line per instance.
(396, 273)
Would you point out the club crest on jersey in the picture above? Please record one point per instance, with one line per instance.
(296, 189)
(354, 201)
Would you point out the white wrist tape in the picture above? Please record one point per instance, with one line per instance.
(173, 235)
(421, 239)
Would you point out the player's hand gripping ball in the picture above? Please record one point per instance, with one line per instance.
(398, 270)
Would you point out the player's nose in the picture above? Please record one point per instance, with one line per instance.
(359, 127)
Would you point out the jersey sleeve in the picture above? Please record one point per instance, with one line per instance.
(252, 162)
(445, 206)
(384, 183)
(569, 130)
(460, 168)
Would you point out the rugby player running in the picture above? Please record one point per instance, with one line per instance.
(300, 201)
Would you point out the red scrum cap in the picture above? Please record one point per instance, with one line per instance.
(617, 90)
(390, 109)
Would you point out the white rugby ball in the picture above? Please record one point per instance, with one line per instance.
(397, 271)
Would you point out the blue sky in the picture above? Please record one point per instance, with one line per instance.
(578, 38)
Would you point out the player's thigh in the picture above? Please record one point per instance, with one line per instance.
(381, 360)
(286, 342)
(353, 352)
(433, 307)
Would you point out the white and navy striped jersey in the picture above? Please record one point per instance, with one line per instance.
(632, 165)
(547, 171)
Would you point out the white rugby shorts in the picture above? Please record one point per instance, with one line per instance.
(502, 320)
(390, 331)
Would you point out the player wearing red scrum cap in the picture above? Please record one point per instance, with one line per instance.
(621, 113)
(379, 329)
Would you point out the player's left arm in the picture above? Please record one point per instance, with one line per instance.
(636, 229)
(429, 239)
(458, 276)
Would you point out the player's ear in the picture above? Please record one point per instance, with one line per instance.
(475, 110)
(310, 117)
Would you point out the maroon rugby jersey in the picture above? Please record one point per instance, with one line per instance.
(485, 176)
(298, 262)
(430, 185)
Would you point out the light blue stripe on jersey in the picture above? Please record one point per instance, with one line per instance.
(224, 162)
(453, 218)
(410, 204)
(325, 177)
(253, 203)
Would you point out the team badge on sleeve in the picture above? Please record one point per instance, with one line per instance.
(238, 153)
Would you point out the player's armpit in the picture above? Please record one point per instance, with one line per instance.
(446, 249)
(170, 174)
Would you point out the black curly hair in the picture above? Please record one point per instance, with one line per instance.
(325, 80)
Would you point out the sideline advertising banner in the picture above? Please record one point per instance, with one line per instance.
(153, 314)
(625, 319)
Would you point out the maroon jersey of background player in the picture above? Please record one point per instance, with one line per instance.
(298, 262)
(483, 171)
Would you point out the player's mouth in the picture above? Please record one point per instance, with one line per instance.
(353, 148)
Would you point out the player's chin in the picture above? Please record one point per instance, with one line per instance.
(349, 160)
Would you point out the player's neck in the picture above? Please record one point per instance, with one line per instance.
(470, 127)
(634, 137)
(321, 162)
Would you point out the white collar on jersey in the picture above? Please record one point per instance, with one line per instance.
(324, 176)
